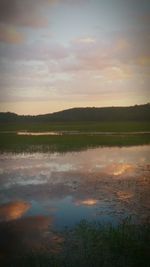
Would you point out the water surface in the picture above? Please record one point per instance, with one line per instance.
(42, 192)
(97, 183)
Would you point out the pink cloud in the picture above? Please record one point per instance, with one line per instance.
(122, 49)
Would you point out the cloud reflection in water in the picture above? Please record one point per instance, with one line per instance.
(109, 180)
(13, 210)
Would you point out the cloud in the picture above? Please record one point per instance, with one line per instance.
(121, 72)
(87, 40)
(122, 49)
(29, 13)
(122, 44)
(82, 54)
(23, 13)
(144, 19)
(144, 61)
(131, 47)
(34, 51)
(16, 14)
(8, 34)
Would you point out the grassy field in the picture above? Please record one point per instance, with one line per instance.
(71, 142)
(78, 126)
(63, 143)
(94, 245)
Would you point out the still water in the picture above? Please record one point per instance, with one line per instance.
(44, 191)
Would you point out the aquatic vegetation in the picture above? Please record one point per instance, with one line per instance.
(95, 245)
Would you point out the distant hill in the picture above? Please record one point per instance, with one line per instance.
(132, 113)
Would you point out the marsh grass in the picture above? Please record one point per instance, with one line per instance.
(65, 143)
(71, 142)
(96, 245)
(84, 126)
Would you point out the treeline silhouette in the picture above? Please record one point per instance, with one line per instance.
(108, 114)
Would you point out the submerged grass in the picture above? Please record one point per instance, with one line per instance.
(63, 143)
(96, 245)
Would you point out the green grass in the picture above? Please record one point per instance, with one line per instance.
(126, 126)
(22, 143)
(95, 245)
(13, 142)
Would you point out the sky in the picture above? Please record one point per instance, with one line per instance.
(59, 54)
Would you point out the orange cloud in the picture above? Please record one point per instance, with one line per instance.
(144, 61)
(122, 44)
(8, 34)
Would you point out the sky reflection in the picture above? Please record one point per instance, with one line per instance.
(42, 193)
(28, 235)
(102, 183)
(13, 210)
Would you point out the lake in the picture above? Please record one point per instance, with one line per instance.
(45, 192)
